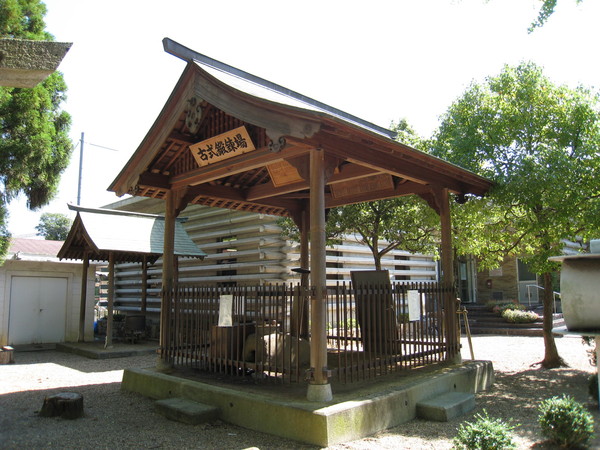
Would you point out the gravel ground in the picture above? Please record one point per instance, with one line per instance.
(115, 419)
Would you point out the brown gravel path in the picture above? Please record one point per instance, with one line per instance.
(114, 419)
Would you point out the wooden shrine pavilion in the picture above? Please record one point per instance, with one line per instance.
(118, 237)
(228, 139)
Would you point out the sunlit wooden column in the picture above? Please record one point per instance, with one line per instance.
(447, 258)
(299, 322)
(82, 305)
(319, 388)
(304, 278)
(144, 285)
(168, 271)
(111, 300)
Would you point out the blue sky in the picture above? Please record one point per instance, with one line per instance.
(379, 60)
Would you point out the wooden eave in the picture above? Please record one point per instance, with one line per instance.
(354, 154)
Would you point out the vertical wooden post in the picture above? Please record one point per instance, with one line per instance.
(111, 300)
(452, 337)
(82, 304)
(319, 388)
(144, 293)
(168, 271)
(299, 322)
(304, 277)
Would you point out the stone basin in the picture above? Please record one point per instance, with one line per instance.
(580, 291)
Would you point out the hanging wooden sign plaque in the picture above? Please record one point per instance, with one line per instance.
(223, 146)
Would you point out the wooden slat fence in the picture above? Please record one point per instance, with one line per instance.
(371, 331)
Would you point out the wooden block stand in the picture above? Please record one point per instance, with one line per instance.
(68, 405)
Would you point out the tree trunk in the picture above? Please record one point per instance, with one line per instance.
(551, 356)
(68, 405)
(377, 259)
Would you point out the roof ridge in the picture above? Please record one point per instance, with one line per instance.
(117, 212)
(176, 49)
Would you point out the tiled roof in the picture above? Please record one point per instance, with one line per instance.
(39, 247)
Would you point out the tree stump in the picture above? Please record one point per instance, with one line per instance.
(68, 405)
(6, 355)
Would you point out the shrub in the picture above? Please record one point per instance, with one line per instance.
(490, 305)
(566, 422)
(501, 307)
(485, 433)
(516, 316)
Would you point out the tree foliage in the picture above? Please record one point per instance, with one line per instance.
(35, 147)
(405, 223)
(540, 144)
(546, 10)
(54, 226)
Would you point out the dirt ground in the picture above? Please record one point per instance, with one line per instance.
(116, 419)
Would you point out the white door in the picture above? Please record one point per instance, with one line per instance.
(38, 307)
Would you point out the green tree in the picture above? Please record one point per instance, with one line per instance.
(54, 226)
(35, 147)
(406, 223)
(540, 144)
(546, 10)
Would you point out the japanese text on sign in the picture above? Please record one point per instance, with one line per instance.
(223, 146)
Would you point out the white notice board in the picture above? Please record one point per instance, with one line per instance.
(414, 305)
(225, 310)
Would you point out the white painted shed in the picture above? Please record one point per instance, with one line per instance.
(40, 296)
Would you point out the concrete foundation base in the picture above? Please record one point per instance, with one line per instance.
(357, 410)
(319, 393)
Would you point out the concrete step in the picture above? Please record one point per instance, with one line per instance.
(446, 407)
(483, 321)
(186, 411)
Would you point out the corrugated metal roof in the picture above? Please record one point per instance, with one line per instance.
(129, 236)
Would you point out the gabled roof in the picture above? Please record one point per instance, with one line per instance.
(211, 99)
(131, 237)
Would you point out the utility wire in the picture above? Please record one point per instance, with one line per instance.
(102, 146)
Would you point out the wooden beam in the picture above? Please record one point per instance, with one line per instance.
(408, 188)
(347, 173)
(268, 190)
(155, 180)
(424, 170)
(252, 160)
(227, 193)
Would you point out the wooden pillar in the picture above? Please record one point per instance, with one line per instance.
(168, 271)
(111, 300)
(319, 388)
(446, 225)
(304, 277)
(299, 322)
(447, 258)
(144, 293)
(82, 304)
